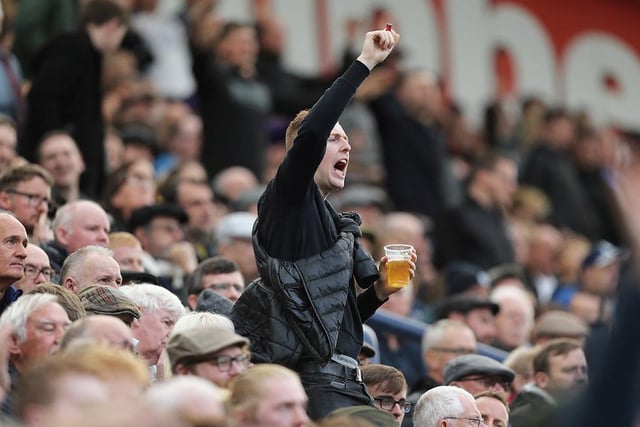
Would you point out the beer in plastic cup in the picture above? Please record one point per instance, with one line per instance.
(398, 256)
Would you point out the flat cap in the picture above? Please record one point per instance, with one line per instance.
(464, 304)
(199, 343)
(99, 299)
(144, 215)
(560, 324)
(475, 364)
(236, 225)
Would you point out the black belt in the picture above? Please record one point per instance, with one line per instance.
(332, 368)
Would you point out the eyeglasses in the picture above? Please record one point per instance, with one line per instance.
(456, 351)
(31, 271)
(472, 421)
(490, 381)
(387, 403)
(226, 287)
(32, 199)
(224, 362)
(140, 180)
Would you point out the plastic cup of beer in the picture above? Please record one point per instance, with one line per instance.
(398, 258)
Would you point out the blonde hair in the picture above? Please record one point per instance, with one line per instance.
(248, 388)
(124, 239)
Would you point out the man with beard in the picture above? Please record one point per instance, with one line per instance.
(560, 371)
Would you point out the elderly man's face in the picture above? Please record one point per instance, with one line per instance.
(36, 269)
(13, 252)
(152, 330)
(44, 329)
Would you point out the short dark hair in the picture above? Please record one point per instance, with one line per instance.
(11, 177)
(553, 348)
(387, 377)
(213, 265)
(488, 160)
(99, 12)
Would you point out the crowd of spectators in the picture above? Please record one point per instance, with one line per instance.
(134, 147)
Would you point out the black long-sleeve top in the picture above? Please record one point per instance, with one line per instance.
(294, 221)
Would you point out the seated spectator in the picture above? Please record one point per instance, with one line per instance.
(63, 386)
(520, 361)
(374, 416)
(514, 321)
(219, 274)
(100, 299)
(36, 324)
(167, 255)
(230, 183)
(545, 245)
(493, 408)
(212, 302)
(13, 254)
(476, 374)
(559, 324)
(196, 198)
(441, 342)
(107, 330)
(67, 299)
(90, 265)
(388, 388)
(215, 354)
(37, 269)
(444, 405)
(25, 190)
(194, 400)
(8, 142)
(160, 311)
(365, 355)
(130, 187)
(75, 225)
(127, 251)
(268, 394)
(467, 279)
(477, 313)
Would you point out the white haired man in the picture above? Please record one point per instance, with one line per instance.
(447, 406)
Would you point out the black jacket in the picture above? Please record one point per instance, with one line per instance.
(294, 312)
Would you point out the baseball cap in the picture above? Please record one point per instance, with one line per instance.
(601, 254)
(469, 364)
(236, 225)
(464, 304)
(99, 299)
(198, 344)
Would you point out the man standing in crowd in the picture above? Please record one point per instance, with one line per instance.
(67, 88)
(476, 231)
(305, 249)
